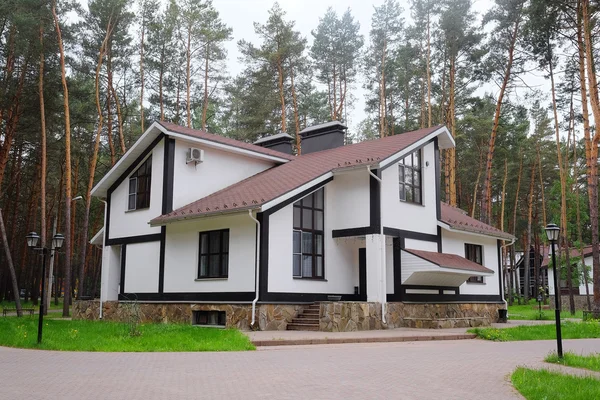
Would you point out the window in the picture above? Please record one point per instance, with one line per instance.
(308, 236)
(473, 253)
(409, 177)
(217, 318)
(139, 186)
(214, 254)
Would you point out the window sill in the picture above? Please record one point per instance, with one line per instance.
(211, 279)
(310, 279)
(137, 209)
(475, 283)
(411, 203)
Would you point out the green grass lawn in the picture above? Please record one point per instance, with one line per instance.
(570, 330)
(545, 385)
(591, 362)
(113, 336)
(531, 312)
(29, 304)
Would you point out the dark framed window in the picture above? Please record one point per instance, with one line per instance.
(309, 220)
(409, 177)
(473, 252)
(216, 318)
(139, 186)
(214, 254)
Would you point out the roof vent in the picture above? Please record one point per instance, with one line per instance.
(323, 137)
(280, 142)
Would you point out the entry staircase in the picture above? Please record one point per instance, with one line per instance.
(307, 320)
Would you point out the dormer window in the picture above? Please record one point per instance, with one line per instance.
(139, 186)
(409, 177)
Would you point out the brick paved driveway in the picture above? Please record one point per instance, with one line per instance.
(467, 369)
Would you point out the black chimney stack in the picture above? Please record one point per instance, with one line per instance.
(323, 137)
(280, 142)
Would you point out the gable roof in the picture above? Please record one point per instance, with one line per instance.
(452, 261)
(457, 219)
(208, 139)
(257, 190)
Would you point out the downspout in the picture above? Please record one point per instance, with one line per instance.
(514, 239)
(103, 250)
(257, 267)
(383, 269)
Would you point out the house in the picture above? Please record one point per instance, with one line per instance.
(579, 289)
(209, 230)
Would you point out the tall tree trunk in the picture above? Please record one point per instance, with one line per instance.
(429, 70)
(542, 190)
(451, 153)
(382, 109)
(142, 82)
(161, 76)
(584, 38)
(281, 94)
(527, 248)
(43, 140)
(109, 121)
(11, 267)
(188, 74)
(295, 106)
(67, 284)
(119, 120)
(205, 101)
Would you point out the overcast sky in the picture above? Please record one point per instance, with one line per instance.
(241, 14)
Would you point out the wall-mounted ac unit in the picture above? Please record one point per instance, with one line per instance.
(195, 155)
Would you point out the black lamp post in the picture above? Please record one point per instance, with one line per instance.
(32, 242)
(552, 230)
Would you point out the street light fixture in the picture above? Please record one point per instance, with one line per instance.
(32, 242)
(552, 231)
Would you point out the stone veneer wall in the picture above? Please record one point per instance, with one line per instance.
(580, 301)
(359, 316)
(269, 316)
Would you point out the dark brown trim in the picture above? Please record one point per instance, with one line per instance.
(500, 268)
(154, 237)
(439, 239)
(263, 284)
(306, 297)
(398, 244)
(168, 175)
(438, 194)
(107, 227)
(362, 231)
(427, 237)
(161, 260)
(123, 262)
(375, 202)
(404, 288)
(190, 296)
(449, 298)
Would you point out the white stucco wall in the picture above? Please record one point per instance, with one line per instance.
(111, 273)
(182, 252)
(420, 245)
(125, 223)
(408, 216)
(341, 256)
(589, 262)
(350, 194)
(454, 243)
(141, 267)
(219, 170)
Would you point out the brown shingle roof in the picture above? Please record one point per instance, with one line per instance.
(459, 220)
(223, 140)
(452, 261)
(575, 252)
(270, 184)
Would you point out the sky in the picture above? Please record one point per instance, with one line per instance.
(241, 14)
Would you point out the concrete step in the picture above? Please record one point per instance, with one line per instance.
(310, 312)
(302, 327)
(305, 320)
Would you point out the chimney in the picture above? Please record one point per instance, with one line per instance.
(323, 137)
(280, 142)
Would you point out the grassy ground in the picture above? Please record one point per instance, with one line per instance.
(570, 330)
(591, 362)
(531, 312)
(29, 304)
(112, 336)
(545, 385)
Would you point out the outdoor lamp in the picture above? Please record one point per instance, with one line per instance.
(552, 230)
(32, 239)
(57, 241)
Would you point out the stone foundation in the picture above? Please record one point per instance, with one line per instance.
(271, 317)
(334, 316)
(580, 301)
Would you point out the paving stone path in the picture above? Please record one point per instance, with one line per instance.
(465, 369)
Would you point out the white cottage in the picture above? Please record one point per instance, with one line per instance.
(204, 229)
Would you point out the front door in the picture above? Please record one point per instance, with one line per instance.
(362, 274)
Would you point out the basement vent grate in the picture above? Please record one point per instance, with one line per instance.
(209, 318)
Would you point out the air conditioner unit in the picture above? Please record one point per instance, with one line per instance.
(195, 155)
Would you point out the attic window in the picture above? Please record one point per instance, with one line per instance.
(139, 186)
(409, 178)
